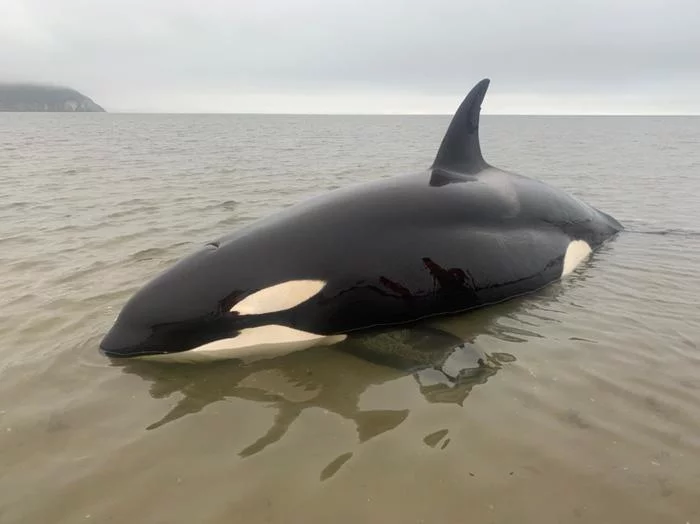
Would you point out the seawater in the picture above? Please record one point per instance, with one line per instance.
(589, 410)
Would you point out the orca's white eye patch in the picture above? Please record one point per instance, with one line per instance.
(279, 297)
(576, 252)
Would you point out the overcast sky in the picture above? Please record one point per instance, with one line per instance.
(367, 56)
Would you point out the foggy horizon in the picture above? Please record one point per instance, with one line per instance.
(398, 58)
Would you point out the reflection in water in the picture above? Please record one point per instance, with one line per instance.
(442, 357)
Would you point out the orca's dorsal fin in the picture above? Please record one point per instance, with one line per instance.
(460, 150)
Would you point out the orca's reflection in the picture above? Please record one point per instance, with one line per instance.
(443, 357)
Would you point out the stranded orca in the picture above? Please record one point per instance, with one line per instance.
(457, 236)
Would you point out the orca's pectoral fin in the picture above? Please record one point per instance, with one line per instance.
(460, 150)
(407, 349)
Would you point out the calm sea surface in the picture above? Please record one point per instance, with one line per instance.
(589, 409)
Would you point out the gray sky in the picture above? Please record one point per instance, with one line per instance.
(368, 56)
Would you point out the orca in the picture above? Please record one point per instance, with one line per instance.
(454, 237)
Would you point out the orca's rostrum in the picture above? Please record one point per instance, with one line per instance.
(457, 236)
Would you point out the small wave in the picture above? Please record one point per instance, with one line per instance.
(677, 231)
(22, 204)
(227, 205)
(149, 253)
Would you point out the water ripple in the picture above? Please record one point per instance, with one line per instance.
(591, 385)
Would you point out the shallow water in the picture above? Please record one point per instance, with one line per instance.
(588, 409)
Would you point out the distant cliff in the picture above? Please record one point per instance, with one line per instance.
(29, 97)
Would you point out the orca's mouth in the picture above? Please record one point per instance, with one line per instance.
(126, 353)
(120, 342)
(125, 340)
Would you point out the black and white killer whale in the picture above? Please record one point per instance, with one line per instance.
(457, 236)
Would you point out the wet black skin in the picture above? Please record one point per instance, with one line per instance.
(458, 236)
